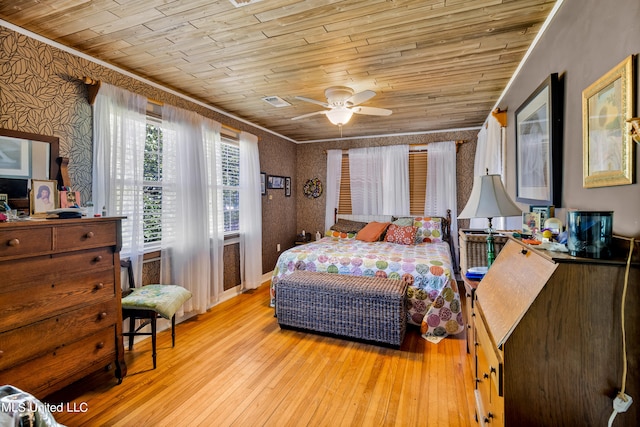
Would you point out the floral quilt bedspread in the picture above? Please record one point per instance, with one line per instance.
(433, 301)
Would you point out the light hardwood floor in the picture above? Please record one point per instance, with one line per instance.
(235, 366)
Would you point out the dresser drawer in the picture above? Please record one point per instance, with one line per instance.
(27, 302)
(492, 367)
(15, 242)
(83, 236)
(54, 267)
(44, 373)
(21, 344)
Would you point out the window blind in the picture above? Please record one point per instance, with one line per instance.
(417, 183)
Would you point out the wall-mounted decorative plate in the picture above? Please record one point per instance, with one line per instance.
(312, 188)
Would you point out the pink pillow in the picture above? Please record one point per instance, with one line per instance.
(403, 235)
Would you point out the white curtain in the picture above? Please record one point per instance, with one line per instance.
(192, 235)
(489, 157)
(119, 132)
(441, 185)
(250, 212)
(379, 180)
(334, 172)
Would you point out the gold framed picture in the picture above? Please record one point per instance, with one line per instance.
(607, 145)
(44, 196)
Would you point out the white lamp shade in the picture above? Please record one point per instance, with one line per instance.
(339, 115)
(489, 199)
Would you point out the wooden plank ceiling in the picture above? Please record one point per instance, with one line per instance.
(438, 64)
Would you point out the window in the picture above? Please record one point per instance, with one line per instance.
(417, 184)
(231, 185)
(152, 186)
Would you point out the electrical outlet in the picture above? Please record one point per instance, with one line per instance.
(622, 402)
(278, 247)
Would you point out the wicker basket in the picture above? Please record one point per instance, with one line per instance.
(365, 308)
(473, 248)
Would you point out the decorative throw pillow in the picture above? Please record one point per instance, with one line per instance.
(403, 221)
(338, 235)
(429, 229)
(372, 231)
(348, 226)
(403, 235)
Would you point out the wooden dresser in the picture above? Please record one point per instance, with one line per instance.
(60, 310)
(548, 340)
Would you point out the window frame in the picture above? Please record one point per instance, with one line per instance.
(225, 140)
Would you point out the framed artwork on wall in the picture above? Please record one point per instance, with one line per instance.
(539, 145)
(607, 144)
(275, 182)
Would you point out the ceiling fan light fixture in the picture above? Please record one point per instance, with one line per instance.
(339, 115)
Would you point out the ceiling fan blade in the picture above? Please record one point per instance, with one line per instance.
(360, 97)
(313, 101)
(372, 111)
(308, 115)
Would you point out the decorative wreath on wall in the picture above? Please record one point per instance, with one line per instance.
(312, 188)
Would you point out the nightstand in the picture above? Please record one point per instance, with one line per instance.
(468, 305)
(300, 240)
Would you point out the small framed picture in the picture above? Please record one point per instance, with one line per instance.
(69, 199)
(263, 183)
(287, 187)
(4, 199)
(275, 182)
(44, 196)
(530, 222)
(545, 212)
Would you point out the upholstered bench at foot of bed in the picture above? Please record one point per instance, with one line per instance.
(365, 308)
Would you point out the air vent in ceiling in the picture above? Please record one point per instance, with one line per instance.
(240, 3)
(276, 101)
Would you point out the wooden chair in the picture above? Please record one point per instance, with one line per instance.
(147, 303)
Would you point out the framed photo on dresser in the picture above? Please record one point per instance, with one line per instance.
(43, 196)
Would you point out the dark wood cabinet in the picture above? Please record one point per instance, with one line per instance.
(60, 309)
(548, 339)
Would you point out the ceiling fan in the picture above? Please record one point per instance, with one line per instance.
(342, 103)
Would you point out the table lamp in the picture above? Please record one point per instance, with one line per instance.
(489, 199)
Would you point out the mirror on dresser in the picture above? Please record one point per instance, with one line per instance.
(25, 156)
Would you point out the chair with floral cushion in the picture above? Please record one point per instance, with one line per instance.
(148, 302)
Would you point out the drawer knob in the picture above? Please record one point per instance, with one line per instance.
(99, 286)
(485, 375)
(100, 345)
(102, 316)
(1, 353)
(13, 242)
(89, 234)
(98, 258)
(524, 251)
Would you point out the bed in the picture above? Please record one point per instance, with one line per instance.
(432, 298)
